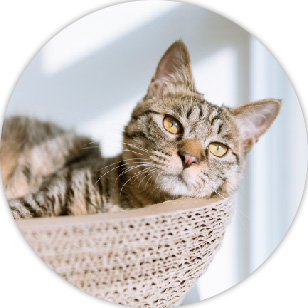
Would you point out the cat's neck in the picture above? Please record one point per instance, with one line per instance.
(137, 190)
(126, 186)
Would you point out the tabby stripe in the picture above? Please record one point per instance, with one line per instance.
(17, 208)
(201, 111)
(220, 177)
(156, 127)
(183, 96)
(178, 109)
(160, 156)
(93, 180)
(214, 114)
(60, 201)
(69, 194)
(28, 207)
(120, 169)
(17, 211)
(27, 173)
(139, 134)
(204, 173)
(147, 112)
(107, 190)
(121, 174)
(179, 138)
(189, 112)
(216, 117)
(219, 128)
(42, 206)
(100, 190)
(203, 180)
(87, 197)
(165, 153)
(237, 158)
(227, 136)
(52, 201)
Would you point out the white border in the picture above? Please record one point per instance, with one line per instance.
(26, 25)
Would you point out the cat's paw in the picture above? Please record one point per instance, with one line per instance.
(18, 210)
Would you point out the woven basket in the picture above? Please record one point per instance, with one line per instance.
(146, 257)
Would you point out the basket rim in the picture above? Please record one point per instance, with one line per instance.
(167, 207)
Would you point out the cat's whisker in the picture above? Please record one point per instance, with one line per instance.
(124, 160)
(88, 143)
(135, 146)
(152, 174)
(136, 174)
(215, 191)
(156, 180)
(127, 150)
(114, 169)
(107, 173)
(158, 160)
(124, 150)
(129, 168)
(132, 168)
(146, 174)
(92, 147)
(242, 215)
(239, 216)
(163, 132)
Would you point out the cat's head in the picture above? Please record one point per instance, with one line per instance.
(179, 144)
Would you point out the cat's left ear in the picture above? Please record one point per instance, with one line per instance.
(254, 119)
(173, 68)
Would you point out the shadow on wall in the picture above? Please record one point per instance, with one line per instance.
(122, 70)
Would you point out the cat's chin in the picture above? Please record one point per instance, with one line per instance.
(182, 185)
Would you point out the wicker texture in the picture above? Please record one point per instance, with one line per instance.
(142, 258)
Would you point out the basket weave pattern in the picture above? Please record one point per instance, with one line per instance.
(141, 258)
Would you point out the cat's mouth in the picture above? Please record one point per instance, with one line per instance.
(186, 177)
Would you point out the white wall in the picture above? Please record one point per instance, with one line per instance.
(91, 75)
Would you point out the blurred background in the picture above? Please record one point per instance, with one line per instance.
(90, 76)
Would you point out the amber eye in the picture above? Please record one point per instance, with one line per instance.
(172, 125)
(218, 149)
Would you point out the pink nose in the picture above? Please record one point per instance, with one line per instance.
(188, 159)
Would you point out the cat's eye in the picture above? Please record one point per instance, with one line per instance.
(172, 125)
(218, 149)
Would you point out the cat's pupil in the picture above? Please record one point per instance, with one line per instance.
(173, 124)
(218, 147)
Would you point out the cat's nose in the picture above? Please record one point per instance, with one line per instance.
(188, 159)
(190, 152)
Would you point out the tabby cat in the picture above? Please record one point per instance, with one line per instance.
(175, 145)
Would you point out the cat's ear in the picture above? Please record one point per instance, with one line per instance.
(254, 119)
(173, 68)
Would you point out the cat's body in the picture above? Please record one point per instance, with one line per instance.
(175, 145)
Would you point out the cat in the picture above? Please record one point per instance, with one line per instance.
(176, 145)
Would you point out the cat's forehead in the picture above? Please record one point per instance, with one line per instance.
(191, 108)
(200, 118)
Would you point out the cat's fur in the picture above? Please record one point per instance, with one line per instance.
(48, 171)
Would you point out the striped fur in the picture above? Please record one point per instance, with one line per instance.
(47, 171)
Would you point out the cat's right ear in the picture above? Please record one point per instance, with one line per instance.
(173, 68)
(254, 119)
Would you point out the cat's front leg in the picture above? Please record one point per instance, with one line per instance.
(44, 203)
(72, 191)
(26, 208)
